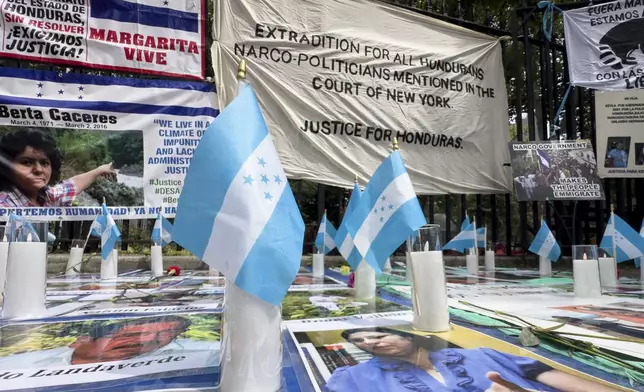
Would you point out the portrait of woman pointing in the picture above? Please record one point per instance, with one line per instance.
(30, 165)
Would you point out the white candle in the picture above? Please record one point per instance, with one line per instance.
(365, 282)
(472, 262)
(74, 262)
(156, 260)
(489, 260)
(24, 295)
(318, 265)
(109, 267)
(607, 272)
(4, 255)
(387, 266)
(545, 266)
(251, 358)
(429, 292)
(586, 277)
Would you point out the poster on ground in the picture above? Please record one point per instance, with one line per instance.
(374, 353)
(159, 37)
(555, 170)
(148, 129)
(299, 305)
(339, 81)
(619, 119)
(117, 354)
(603, 42)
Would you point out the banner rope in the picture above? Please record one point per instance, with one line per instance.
(548, 17)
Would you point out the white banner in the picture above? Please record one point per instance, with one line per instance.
(146, 36)
(619, 118)
(148, 128)
(603, 45)
(338, 82)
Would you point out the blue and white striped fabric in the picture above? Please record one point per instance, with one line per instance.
(19, 229)
(110, 233)
(343, 240)
(466, 222)
(466, 239)
(236, 211)
(162, 231)
(481, 237)
(628, 243)
(545, 244)
(387, 214)
(545, 161)
(324, 241)
(153, 14)
(96, 228)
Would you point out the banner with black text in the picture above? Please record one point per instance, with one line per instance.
(158, 37)
(338, 82)
(555, 170)
(148, 129)
(605, 46)
(619, 116)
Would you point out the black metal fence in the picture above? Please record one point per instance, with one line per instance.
(536, 77)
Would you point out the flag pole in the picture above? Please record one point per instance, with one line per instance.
(476, 238)
(241, 75)
(612, 217)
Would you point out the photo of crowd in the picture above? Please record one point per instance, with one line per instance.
(535, 171)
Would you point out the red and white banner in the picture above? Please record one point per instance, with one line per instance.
(159, 37)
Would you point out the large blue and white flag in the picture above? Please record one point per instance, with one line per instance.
(236, 211)
(619, 235)
(162, 231)
(545, 244)
(105, 227)
(324, 241)
(342, 239)
(481, 237)
(387, 214)
(466, 239)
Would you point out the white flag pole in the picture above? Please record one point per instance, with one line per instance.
(612, 217)
(251, 358)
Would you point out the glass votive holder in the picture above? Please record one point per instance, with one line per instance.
(425, 239)
(584, 252)
(603, 253)
(26, 231)
(78, 244)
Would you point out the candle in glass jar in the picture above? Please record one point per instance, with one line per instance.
(26, 277)
(607, 272)
(586, 278)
